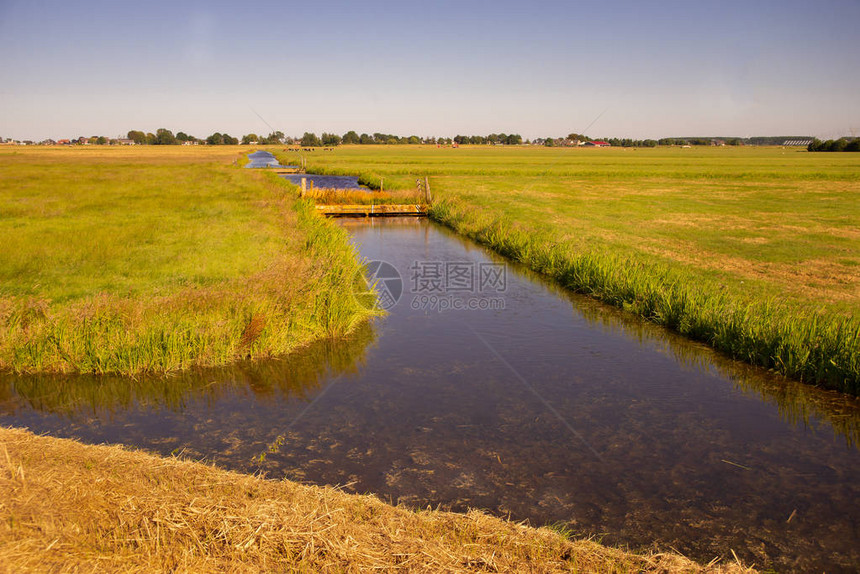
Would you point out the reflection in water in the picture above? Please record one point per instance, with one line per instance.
(570, 412)
(294, 377)
(260, 159)
(796, 402)
(326, 181)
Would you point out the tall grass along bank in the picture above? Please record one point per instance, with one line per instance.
(154, 260)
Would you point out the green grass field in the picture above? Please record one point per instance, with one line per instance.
(159, 258)
(753, 250)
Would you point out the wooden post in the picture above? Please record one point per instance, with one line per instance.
(304, 187)
(381, 184)
(427, 189)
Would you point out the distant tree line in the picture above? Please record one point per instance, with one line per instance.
(493, 139)
(351, 137)
(162, 136)
(165, 137)
(842, 144)
(575, 139)
(699, 141)
(273, 138)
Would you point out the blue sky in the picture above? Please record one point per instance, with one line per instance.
(652, 69)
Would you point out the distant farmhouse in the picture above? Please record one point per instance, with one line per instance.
(597, 143)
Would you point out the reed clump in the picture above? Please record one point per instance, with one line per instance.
(334, 196)
(74, 507)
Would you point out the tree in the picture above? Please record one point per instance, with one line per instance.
(184, 137)
(248, 138)
(365, 139)
(837, 145)
(514, 139)
(350, 137)
(273, 138)
(330, 139)
(310, 140)
(137, 137)
(101, 140)
(413, 140)
(164, 137)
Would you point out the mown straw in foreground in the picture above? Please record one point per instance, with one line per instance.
(66, 506)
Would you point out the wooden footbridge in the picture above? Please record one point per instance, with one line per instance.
(373, 210)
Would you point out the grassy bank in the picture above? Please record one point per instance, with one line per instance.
(754, 251)
(156, 514)
(151, 259)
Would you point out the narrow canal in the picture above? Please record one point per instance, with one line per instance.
(485, 387)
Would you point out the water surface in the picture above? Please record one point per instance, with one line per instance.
(262, 159)
(535, 404)
(327, 181)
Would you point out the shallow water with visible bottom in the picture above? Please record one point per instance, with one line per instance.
(262, 159)
(327, 181)
(486, 387)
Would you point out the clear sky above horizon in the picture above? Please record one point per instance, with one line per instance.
(608, 69)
